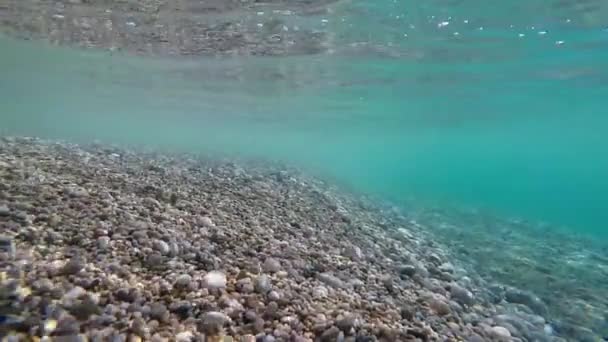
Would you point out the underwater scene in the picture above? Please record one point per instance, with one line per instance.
(303, 170)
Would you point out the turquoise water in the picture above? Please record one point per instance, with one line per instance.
(501, 108)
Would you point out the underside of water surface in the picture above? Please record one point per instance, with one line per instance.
(485, 119)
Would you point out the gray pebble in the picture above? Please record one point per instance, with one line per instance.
(206, 222)
(440, 307)
(73, 266)
(271, 265)
(250, 316)
(258, 325)
(263, 284)
(274, 296)
(140, 235)
(159, 312)
(183, 280)
(268, 338)
(354, 253)
(212, 323)
(434, 258)
(330, 335)
(331, 280)
(44, 285)
(356, 283)
(74, 293)
(347, 323)
(7, 245)
(408, 312)
(500, 333)
(528, 299)
(162, 247)
(67, 325)
(271, 310)
(125, 295)
(154, 261)
(76, 192)
(71, 338)
(139, 327)
(407, 271)
(174, 249)
(320, 292)
(461, 295)
(446, 267)
(4, 210)
(84, 309)
(103, 242)
(475, 338)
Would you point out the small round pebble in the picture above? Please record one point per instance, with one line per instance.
(245, 285)
(73, 266)
(183, 280)
(184, 336)
(213, 322)
(4, 211)
(162, 247)
(274, 296)
(263, 284)
(461, 295)
(500, 333)
(354, 252)
(320, 292)
(103, 242)
(331, 280)
(407, 271)
(206, 222)
(271, 265)
(440, 307)
(215, 280)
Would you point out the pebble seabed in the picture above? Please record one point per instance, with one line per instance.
(107, 244)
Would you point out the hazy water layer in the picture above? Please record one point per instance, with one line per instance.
(429, 107)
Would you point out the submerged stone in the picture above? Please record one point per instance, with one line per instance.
(528, 299)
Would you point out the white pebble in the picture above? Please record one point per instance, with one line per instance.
(320, 292)
(354, 252)
(185, 336)
(215, 280)
(274, 296)
(206, 222)
(500, 333)
(75, 293)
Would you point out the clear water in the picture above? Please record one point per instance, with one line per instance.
(468, 103)
(498, 106)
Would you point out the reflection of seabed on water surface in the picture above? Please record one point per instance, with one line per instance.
(171, 28)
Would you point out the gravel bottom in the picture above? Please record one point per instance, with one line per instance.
(107, 244)
(567, 271)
